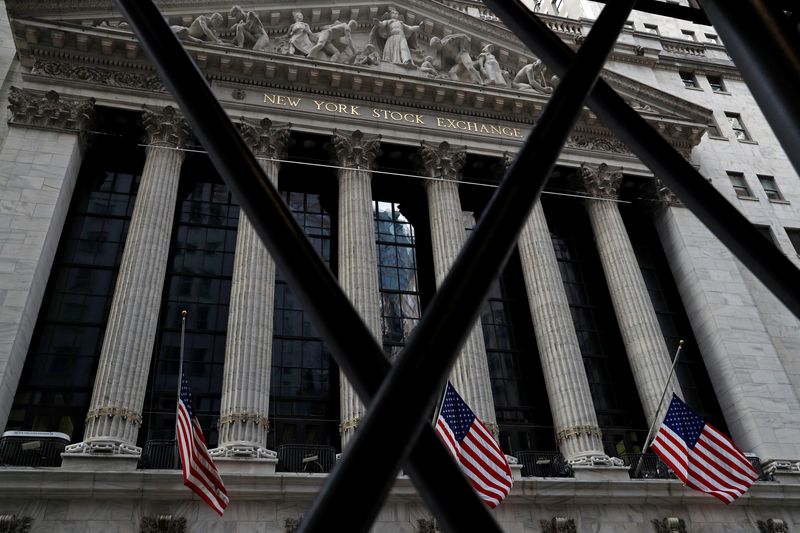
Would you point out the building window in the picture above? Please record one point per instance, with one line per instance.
(651, 28)
(711, 38)
(771, 188)
(735, 120)
(794, 237)
(740, 185)
(689, 35)
(629, 25)
(767, 234)
(716, 83)
(713, 128)
(397, 276)
(557, 4)
(689, 80)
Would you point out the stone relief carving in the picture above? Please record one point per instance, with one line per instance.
(162, 524)
(533, 77)
(452, 56)
(248, 29)
(442, 161)
(772, 525)
(15, 524)
(601, 181)
(597, 144)
(669, 525)
(165, 127)
(665, 195)
(201, 30)
(292, 525)
(490, 67)
(368, 57)
(356, 150)
(299, 37)
(104, 76)
(394, 38)
(49, 110)
(334, 43)
(427, 525)
(266, 139)
(558, 525)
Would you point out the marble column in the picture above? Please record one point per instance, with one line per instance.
(358, 270)
(115, 411)
(644, 342)
(39, 162)
(577, 432)
(470, 375)
(243, 421)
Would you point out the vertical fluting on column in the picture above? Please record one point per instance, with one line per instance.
(470, 374)
(114, 416)
(244, 411)
(644, 342)
(574, 418)
(357, 257)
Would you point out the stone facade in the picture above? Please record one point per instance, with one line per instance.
(369, 78)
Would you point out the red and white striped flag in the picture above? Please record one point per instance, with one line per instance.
(199, 471)
(474, 448)
(702, 457)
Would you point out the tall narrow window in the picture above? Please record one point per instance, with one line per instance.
(198, 279)
(771, 188)
(616, 402)
(739, 184)
(713, 128)
(735, 120)
(397, 268)
(56, 384)
(689, 80)
(304, 407)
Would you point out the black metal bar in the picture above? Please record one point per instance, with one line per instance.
(763, 259)
(769, 61)
(397, 414)
(435, 473)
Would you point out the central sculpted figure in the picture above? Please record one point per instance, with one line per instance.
(334, 42)
(452, 53)
(300, 36)
(392, 36)
(490, 67)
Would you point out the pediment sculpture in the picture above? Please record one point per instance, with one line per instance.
(394, 38)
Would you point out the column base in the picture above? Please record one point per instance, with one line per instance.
(244, 459)
(599, 468)
(103, 456)
(516, 467)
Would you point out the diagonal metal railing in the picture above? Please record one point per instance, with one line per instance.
(432, 469)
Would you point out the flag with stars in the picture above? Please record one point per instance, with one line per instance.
(702, 457)
(199, 471)
(474, 448)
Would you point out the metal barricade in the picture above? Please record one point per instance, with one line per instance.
(315, 459)
(543, 464)
(32, 448)
(159, 454)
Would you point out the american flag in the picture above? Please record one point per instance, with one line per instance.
(702, 457)
(199, 471)
(474, 448)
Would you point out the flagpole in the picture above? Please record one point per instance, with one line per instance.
(658, 410)
(184, 312)
(438, 410)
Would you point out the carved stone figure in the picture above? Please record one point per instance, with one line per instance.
(532, 77)
(394, 38)
(453, 55)
(369, 56)
(334, 42)
(490, 67)
(202, 30)
(248, 29)
(301, 39)
(162, 524)
(428, 68)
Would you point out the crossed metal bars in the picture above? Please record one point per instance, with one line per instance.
(395, 428)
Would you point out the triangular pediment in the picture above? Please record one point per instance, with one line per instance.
(416, 52)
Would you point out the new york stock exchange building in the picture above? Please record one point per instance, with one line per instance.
(386, 127)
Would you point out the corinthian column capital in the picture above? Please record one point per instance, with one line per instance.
(356, 150)
(265, 138)
(442, 161)
(49, 110)
(666, 196)
(165, 127)
(601, 181)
